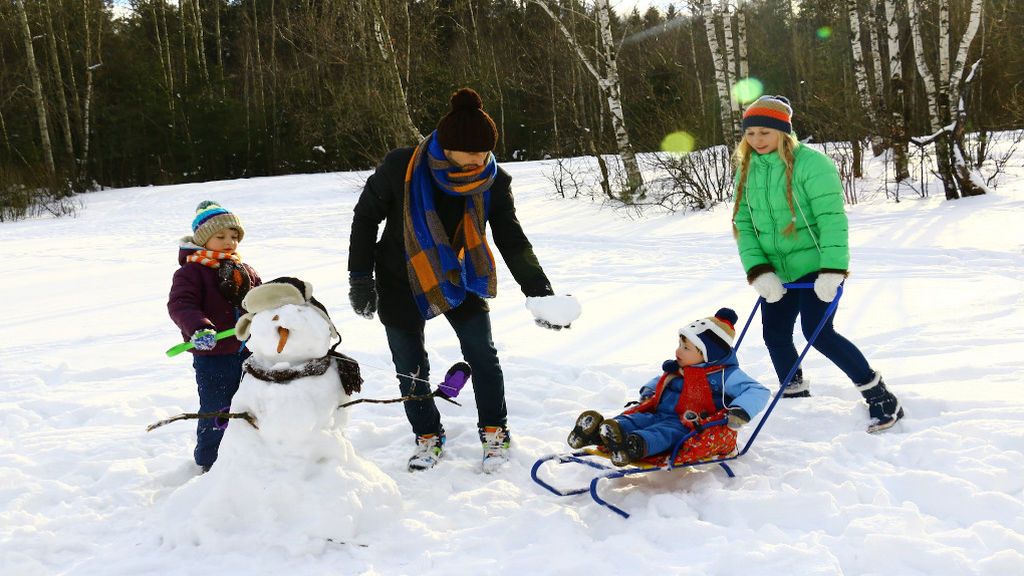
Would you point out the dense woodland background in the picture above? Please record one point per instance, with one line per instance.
(195, 90)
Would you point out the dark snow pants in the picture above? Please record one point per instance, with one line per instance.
(779, 319)
(410, 357)
(217, 378)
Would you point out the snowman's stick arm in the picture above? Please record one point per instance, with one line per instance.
(345, 358)
(196, 416)
(402, 399)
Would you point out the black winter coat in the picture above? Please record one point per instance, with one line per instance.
(382, 199)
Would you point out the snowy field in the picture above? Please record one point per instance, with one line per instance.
(934, 301)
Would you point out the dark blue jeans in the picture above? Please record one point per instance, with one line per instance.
(779, 319)
(410, 357)
(218, 377)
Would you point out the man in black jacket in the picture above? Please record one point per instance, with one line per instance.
(433, 259)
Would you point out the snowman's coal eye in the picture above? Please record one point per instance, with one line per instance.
(276, 318)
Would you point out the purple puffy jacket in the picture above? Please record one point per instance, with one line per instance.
(195, 302)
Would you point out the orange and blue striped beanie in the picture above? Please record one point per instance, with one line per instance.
(769, 112)
(211, 218)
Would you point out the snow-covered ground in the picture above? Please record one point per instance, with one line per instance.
(935, 302)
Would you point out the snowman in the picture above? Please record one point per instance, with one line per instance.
(291, 478)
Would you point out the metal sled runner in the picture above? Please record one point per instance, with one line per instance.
(598, 460)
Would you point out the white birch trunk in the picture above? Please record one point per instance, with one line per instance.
(87, 109)
(609, 84)
(741, 39)
(693, 55)
(927, 78)
(405, 130)
(62, 102)
(974, 21)
(37, 87)
(970, 182)
(860, 70)
(721, 80)
(184, 41)
(730, 68)
(944, 78)
(874, 42)
(199, 39)
(169, 64)
(895, 104)
(219, 43)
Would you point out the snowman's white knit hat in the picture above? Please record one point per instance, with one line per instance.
(277, 293)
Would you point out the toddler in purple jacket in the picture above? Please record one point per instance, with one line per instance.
(206, 297)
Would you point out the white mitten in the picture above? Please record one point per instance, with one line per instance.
(769, 287)
(827, 285)
(554, 312)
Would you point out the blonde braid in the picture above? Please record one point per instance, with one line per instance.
(741, 158)
(786, 153)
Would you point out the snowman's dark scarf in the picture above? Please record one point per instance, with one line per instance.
(348, 370)
(315, 367)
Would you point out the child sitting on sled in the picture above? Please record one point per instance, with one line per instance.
(703, 384)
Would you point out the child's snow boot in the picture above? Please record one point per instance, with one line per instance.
(429, 449)
(496, 442)
(798, 387)
(883, 407)
(614, 441)
(584, 433)
(636, 447)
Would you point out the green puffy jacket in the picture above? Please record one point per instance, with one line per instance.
(820, 241)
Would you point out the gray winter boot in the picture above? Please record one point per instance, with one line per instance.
(798, 387)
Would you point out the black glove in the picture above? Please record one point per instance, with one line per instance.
(537, 286)
(362, 294)
(737, 417)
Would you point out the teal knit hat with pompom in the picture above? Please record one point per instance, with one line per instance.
(211, 218)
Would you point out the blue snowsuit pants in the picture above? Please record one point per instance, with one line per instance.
(661, 432)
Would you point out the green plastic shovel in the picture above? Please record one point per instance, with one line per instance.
(175, 350)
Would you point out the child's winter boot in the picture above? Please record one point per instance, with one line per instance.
(798, 387)
(636, 447)
(496, 442)
(429, 449)
(584, 433)
(614, 441)
(883, 407)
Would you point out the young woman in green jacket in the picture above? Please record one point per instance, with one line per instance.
(790, 226)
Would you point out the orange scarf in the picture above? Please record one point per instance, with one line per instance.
(212, 258)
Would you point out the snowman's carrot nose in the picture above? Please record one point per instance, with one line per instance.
(282, 333)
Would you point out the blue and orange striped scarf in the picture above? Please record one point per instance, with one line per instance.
(441, 269)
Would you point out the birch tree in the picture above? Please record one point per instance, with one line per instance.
(89, 70)
(721, 71)
(946, 109)
(730, 68)
(860, 70)
(37, 88)
(608, 81)
(405, 131)
(58, 78)
(894, 102)
(875, 57)
(741, 39)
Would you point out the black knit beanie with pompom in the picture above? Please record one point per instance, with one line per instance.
(466, 127)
